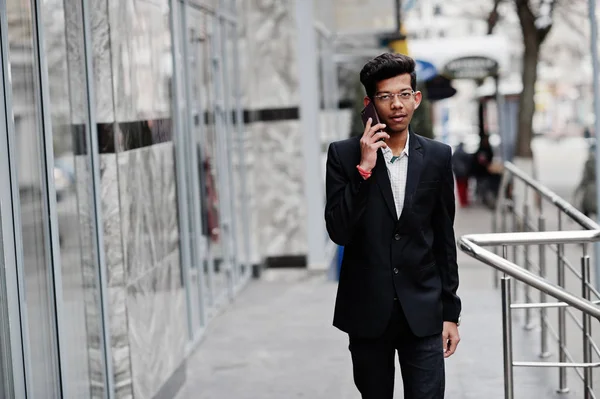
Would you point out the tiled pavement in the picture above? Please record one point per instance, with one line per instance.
(277, 342)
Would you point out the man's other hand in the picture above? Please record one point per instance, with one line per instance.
(450, 337)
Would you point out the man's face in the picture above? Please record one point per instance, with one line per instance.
(395, 102)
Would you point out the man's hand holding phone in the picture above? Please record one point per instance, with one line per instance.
(370, 143)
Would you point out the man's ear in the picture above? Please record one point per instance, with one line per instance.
(418, 99)
(366, 101)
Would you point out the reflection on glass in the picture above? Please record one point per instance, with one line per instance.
(203, 104)
(215, 203)
(40, 310)
(198, 65)
(63, 35)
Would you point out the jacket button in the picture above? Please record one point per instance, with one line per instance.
(397, 237)
(395, 270)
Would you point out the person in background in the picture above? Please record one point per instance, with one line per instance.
(486, 182)
(461, 165)
(483, 158)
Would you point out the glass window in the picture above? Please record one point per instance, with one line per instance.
(64, 52)
(6, 383)
(39, 310)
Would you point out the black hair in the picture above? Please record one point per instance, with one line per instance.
(385, 66)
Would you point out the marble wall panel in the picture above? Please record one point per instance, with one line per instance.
(245, 173)
(140, 42)
(157, 326)
(115, 266)
(280, 205)
(92, 302)
(271, 64)
(132, 61)
(102, 62)
(244, 47)
(148, 207)
(76, 60)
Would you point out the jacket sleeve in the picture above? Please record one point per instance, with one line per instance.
(444, 243)
(346, 198)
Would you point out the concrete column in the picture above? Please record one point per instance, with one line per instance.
(309, 125)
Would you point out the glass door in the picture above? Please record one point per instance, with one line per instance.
(200, 262)
(209, 273)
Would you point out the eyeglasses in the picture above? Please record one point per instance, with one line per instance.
(389, 97)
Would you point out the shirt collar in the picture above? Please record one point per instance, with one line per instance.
(389, 156)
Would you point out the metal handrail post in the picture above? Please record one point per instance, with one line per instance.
(587, 327)
(526, 288)
(596, 90)
(495, 225)
(503, 211)
(515, 248)
(507, 338)
(544, 353)
(495, 230)
(562, 322)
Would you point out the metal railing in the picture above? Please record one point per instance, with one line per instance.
(520, 198)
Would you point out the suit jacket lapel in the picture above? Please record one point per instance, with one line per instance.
(415, 165)
(383, 181)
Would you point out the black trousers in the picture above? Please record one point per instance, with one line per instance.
(421, 362)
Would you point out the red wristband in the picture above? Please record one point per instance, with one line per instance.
(363, 172)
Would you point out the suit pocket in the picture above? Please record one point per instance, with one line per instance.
(426, 268)
(428, 185)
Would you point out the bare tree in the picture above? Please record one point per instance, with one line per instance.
(536, 22)
(536, 19)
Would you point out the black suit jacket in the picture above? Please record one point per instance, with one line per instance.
(413, 258)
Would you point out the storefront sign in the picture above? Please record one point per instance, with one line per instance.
(471, 68)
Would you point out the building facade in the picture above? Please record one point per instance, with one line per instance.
(124, 203)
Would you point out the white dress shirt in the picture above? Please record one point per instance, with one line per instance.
(397, 168)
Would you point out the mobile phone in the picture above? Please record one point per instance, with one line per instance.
(370, 112)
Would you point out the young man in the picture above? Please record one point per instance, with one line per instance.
(390, 203)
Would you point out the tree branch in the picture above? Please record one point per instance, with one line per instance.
(544, 21)
(526, 18)
(532, 25)
(493, 17)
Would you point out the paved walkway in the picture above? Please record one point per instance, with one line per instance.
(277, 342)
